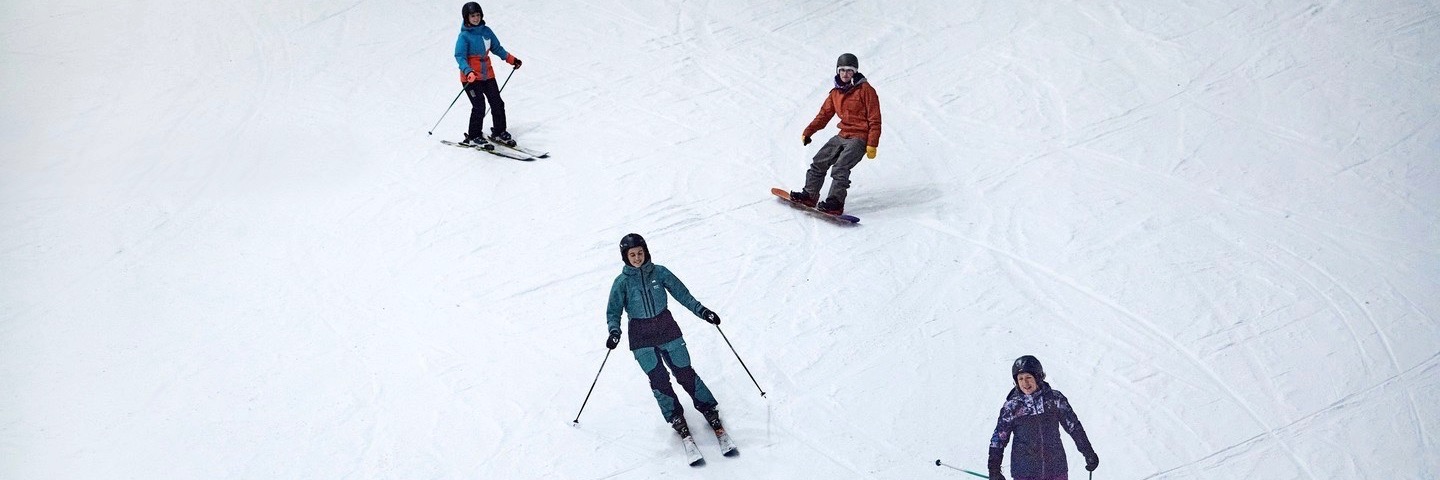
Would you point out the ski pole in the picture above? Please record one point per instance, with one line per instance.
(938, 464)
(742, 362)
(507, 79)
(447, 111)
(592, 387)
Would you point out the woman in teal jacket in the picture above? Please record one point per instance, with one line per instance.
(655, 338)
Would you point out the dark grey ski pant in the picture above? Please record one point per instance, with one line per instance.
(839, 155)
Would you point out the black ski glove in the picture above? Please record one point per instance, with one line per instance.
(517, 63)
(997, 455)
(614, 340)
(710, 316)
(805, 140)
(1091, 461)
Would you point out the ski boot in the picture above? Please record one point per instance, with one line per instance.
(503, 138)
(476, 142)
(681, 428)
(712, 417)
(692, 451)
(727, 446)
(831, 206)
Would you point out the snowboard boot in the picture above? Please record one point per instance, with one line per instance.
(503, 138)
(712, 417)
(803, 199)
(831, 206)
(476, 142)
(681, 428)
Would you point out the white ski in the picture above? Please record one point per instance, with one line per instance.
(515, 155)
(528, 151)
(727, 446)
(692, 452)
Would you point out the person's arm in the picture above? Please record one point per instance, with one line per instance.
(872, 101)
(1004, 426)
(500, 51)
(1071, 423)
(677, 289)
(827, 111)
(462, 53)
(617, 305)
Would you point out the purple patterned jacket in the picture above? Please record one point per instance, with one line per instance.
(1034, 421)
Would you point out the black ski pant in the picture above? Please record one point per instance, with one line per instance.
(480, 93)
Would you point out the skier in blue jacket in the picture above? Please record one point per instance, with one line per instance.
(1034, 413)
(472, 51)
(655, 338)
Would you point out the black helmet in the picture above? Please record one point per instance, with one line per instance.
(631, 241)
(469, 8)
(847, 60)
(1027, 364)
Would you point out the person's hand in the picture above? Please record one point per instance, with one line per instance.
(472, 77)
(710, 316)
(804, 139)
(1091, 461)
(517, 63)
(870, 153)
(614, 340)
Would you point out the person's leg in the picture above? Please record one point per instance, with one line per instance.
(476, 94)
(677, 357)
(497, 106)
(851, 150)
(649, 359)
(815, 176)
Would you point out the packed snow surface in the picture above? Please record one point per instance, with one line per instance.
(229, 249)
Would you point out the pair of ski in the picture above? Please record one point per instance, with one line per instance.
(692, 451)
(514, 153)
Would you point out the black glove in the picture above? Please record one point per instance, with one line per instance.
(614, 340)
(805, 140)
(1091, 461)
(517, 62)
(710, 316)
(997, 455)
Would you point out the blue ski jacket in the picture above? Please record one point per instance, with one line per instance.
(1034, 421)
(473, 48)
(640, 292)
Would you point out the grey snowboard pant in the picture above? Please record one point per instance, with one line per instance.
(839, 155)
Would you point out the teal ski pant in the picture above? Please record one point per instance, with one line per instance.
(674, 356)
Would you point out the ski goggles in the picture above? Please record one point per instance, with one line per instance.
(845, 69)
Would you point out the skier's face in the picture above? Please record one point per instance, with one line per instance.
(846, 73)
(475, 18)
(636, 256)
(1027, 383)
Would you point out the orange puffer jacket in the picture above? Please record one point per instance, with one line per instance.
(859, 111)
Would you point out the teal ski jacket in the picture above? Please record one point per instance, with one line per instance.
(640, 292)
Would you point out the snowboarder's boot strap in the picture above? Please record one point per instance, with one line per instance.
(681, 428)
(803, 199)
(831, 206)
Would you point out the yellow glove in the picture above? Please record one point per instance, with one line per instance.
(870, 152)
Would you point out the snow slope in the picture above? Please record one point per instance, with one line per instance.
(229, 249)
